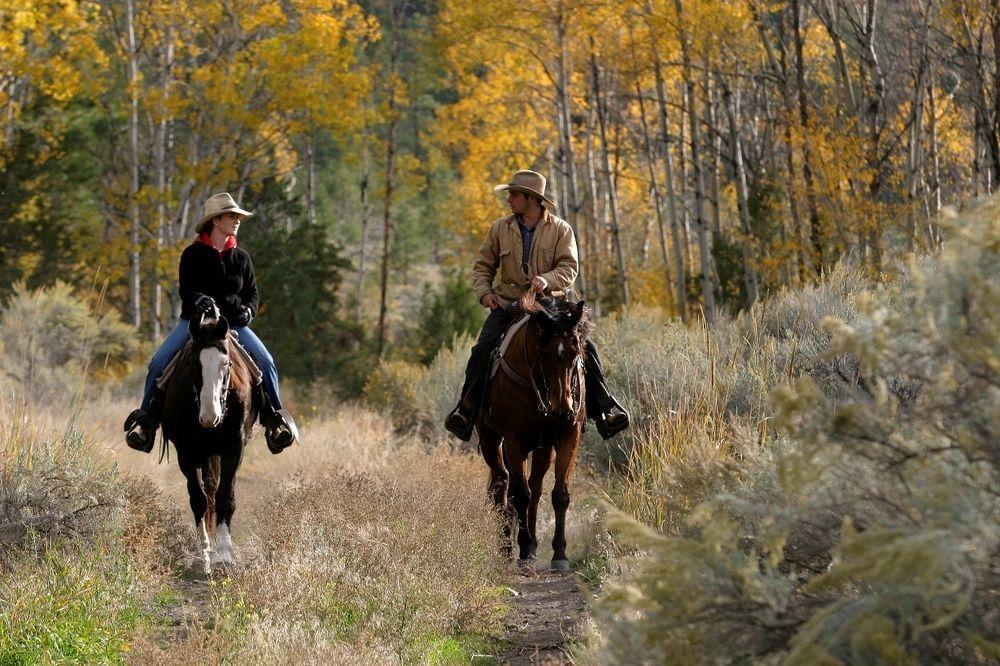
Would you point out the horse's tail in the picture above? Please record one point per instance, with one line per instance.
(211, 473)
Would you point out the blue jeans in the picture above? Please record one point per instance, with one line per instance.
(175, 341)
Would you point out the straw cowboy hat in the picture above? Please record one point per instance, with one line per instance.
(216, 205)
(531, 182)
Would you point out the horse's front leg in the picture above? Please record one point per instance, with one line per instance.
(199, 506)
(225, 504)
(566, 449)
(490, 445)
(520, 495)
(541, 459)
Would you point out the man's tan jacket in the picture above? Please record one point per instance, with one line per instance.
(553, 257)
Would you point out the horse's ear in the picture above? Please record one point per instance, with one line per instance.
(578, 310)
(221, 328)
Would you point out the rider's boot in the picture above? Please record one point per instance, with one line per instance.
(280, 430)
(461, 420)
(141, 425)
(609, 415)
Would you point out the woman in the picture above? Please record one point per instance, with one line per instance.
(215, 273)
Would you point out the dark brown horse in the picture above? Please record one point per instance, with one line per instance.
(209, 415)
(536, 408)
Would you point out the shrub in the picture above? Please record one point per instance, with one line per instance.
(51, 339)
(67, 591)
(867, 530)
(417, 396)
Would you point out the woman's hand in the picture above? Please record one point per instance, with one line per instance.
(205, 304)
(244, 316)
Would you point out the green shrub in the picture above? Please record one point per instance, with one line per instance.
(51, 339)
(418, 396)
(865, 531)
(80, 547)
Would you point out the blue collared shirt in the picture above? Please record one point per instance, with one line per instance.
(526, 236)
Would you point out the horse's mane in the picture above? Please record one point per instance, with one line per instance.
(556, 315)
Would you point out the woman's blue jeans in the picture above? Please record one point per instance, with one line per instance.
(176, 339)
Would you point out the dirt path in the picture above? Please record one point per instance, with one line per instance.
(548, 612)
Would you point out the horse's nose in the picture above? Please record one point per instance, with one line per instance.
(210, 423)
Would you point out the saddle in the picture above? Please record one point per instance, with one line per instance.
(256, 376)
(498, 353)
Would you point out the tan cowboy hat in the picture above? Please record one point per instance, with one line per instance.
(531, 182)
(216, 205)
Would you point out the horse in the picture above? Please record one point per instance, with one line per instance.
(536, 407)
(209, 414)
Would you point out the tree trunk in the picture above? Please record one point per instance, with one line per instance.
(716, 141)
(935, 184)
(779, 67)
(398, 13)
(135, 267)
(815, 237)
(654, 185)
(572, 203)
(311, 215)
(359, 289)
(742, 196)
(162, 139)
(704, 244)
(608, 182)
(668, 169)
(594, 252)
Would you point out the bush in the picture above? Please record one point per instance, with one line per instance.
(865, 531)
(417, 396)
(51, 339)
(80, 547)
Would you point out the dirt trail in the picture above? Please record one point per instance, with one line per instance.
(548, 612)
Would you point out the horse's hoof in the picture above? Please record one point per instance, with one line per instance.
(529, 563)
(560, 565)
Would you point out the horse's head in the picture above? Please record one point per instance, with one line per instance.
(212, 374)
(563, 328)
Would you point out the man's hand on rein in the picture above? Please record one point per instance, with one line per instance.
(538, 284)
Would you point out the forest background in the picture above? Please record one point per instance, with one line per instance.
(705, 153)
(785, 234)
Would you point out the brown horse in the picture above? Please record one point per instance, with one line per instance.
(536, 408)
(209, 415)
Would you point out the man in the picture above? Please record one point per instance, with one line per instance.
(532, 249)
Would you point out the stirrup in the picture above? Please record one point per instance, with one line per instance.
(622, 419)
(134, 419)
(281, 432)
(459, 425)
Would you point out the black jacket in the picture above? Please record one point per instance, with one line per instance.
(227, 277)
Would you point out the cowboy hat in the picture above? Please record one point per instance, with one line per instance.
(531, 182)
(216, 205)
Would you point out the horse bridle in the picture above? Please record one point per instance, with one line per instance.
(224, 394)
(542, 394)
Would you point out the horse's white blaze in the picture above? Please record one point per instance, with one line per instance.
(212, 378)
(224, 543)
